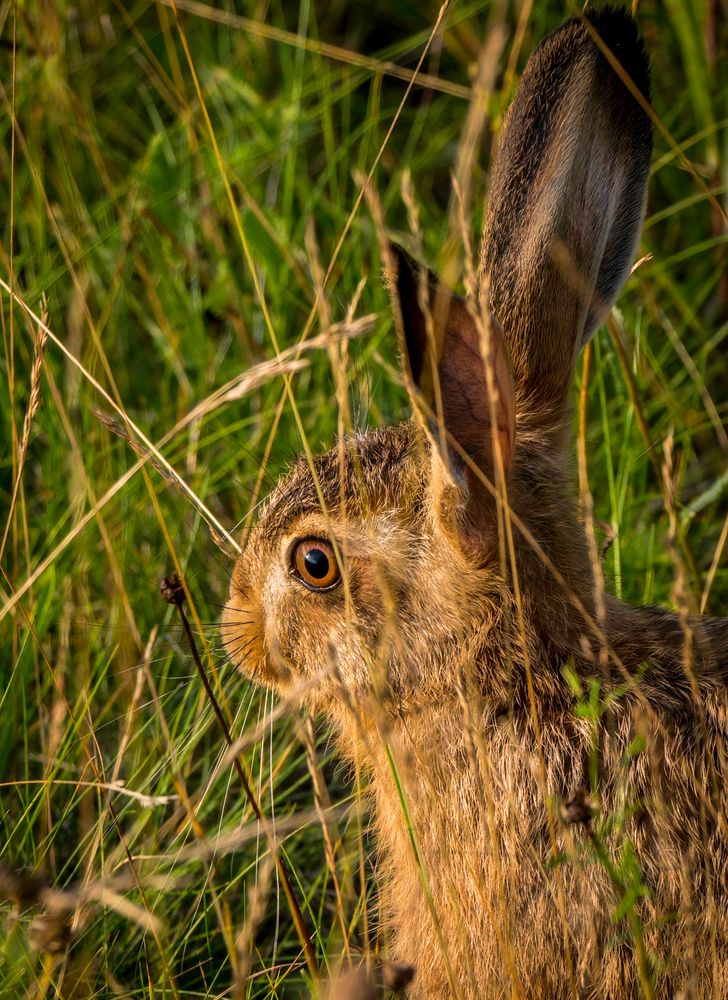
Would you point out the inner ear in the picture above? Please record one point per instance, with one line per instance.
(476, 387)
(446, 346)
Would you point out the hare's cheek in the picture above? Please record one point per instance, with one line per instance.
(302, 635)
(378, 593)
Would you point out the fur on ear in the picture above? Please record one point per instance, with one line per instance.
(567, 200)
(458, 368)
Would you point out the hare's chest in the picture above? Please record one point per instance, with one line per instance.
(467, 859)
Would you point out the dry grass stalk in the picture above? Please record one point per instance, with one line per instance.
(118, 409)
(287, 363)
(53, 927)
(322, 804)
(34, 400)
(336, 52)
(245, 939)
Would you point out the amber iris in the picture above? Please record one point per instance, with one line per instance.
(314, 563)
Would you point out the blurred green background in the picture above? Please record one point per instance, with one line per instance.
(114, 209)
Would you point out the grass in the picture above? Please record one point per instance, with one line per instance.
(132, 212)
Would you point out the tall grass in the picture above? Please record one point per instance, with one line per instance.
(176, 183)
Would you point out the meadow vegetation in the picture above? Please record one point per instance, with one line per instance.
(182, 203)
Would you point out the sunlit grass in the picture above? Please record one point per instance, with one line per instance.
(119, 208)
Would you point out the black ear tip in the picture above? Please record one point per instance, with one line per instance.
(404, 263)
(401, 272)
(618, 31)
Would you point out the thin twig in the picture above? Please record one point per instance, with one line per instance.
(174, 592)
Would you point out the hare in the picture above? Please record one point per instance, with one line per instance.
(430, 587)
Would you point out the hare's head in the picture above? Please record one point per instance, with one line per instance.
(381, 565)
(367, 564)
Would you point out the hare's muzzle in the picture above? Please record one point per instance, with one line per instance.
(242, 628)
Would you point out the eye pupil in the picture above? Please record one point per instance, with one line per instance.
(314, 563)
(317, 563)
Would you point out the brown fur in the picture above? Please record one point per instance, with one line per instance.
(426, 661)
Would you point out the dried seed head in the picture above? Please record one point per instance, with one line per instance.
(25, 889)
(579, 809)
(353, 985)
(396, 977)
(373, 984)
(172, 590)
(51, 932)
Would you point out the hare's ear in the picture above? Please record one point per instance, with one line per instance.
(567, 200)
(458, 372)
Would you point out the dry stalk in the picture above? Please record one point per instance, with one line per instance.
(246, 936)
(28, 890)
(349, 57)
(174, 592)
(322, 804)
(39, 346)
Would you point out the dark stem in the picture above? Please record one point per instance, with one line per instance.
(174, 592)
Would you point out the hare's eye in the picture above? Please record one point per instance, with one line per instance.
(313, 562)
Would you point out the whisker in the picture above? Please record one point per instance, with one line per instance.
(240, 650)
(231, 607)
(240, 645)
(237, 621)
